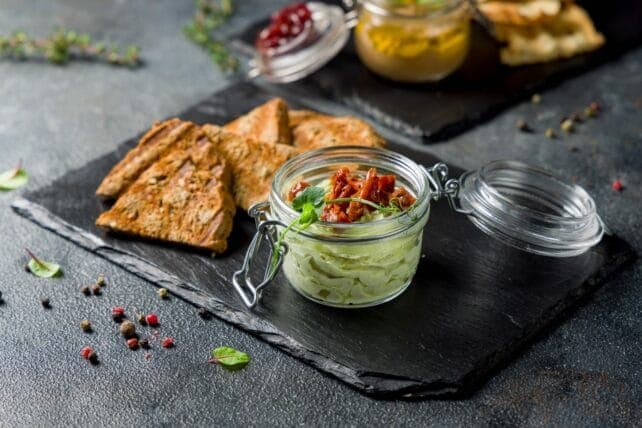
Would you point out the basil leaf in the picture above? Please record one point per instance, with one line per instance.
(14, 178)
(41, 268)
(230, 357)
(310, 195)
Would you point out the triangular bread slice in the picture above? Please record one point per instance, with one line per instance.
(154, 144)
(267, 123)
(253, 163)
(313, 130)
(570, 33)
(182, 198)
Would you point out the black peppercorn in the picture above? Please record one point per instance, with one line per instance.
(45, 302)
(144, 343)
(96, 289)
(204, 313)
(85, 290)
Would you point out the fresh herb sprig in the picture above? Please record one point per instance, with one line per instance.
(41, 268)
(62, 46)
(14, 178)
(230, 358)
(209, 15)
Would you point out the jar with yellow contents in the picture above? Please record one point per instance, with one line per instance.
(412, 40)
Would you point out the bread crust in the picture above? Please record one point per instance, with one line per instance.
(267, 123)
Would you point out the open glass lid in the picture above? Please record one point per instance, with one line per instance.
(524, 206)
(299, 40)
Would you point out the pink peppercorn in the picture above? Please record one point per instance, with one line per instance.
(617, 186)
(132, 343)
(152, 319)
(86, 351)
(167, 342)
(118, 311)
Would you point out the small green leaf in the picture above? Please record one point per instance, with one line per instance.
(14, 178)
(230, 357)
(41, 268)
(313, 195)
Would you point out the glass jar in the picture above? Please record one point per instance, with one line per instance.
(352, 264)
(412, 41)
(365, 264)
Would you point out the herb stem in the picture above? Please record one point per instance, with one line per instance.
(35, 259)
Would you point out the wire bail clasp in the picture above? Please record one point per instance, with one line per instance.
(265, 232)
(443, 187)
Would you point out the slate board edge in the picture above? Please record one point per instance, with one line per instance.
(374, 384)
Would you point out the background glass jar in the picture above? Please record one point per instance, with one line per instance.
(411, 40)
(352, 264)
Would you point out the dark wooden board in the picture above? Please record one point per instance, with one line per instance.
(478, 91)
(473, 305)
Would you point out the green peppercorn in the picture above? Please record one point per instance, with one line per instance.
(567, 126)
(536, 99)
(100, 281)
(141, 319)
(127, 328)
(85, 325)
(523, 126)
(550, 133)
(163, 293)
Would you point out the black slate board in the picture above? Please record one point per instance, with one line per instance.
(473, 304)
(478, 91)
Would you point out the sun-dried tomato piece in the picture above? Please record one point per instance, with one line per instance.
(294, 191)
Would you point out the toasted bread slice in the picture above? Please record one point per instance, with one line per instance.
(313, 131)
(297, 117)
(267, 123)
(570, 33)
(182, 198)
(531, 12)
(253, 164)
(154, 144)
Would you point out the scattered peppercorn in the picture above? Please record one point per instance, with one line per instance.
(567, 125)
(152, 319)
(100, 281)
(163, 293)
(204, 313)
(523, 126)
(127, 329)
(595, 106)
(144, 343)
(96, 289)
(141, 319)
(45, 302)
(85, 325)
(574, 148)
(85, 290)
(1, 299)
(550, 133)
(536, 99)
(132, 343)
(27, 268)
(167, 342)
(617, 185)
(576, 118)
(89, 354)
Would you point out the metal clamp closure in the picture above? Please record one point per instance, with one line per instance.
(443, 187)
(265, 231)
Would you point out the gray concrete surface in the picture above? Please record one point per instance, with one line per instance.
(586, 371)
